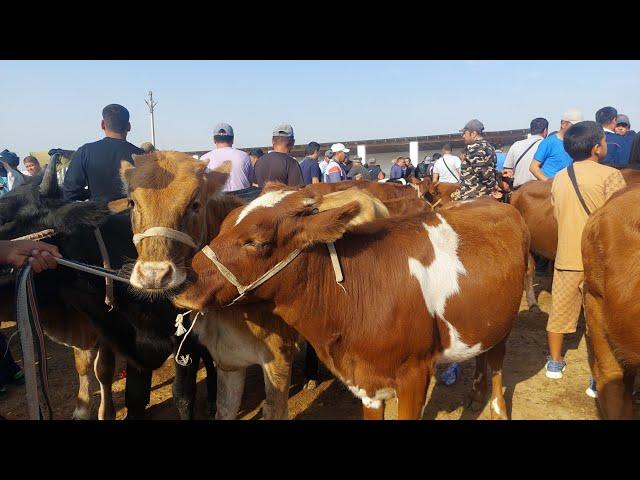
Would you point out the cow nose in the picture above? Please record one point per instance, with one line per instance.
(154, 274)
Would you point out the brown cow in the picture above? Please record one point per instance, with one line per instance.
(389, 344)
(611, 257)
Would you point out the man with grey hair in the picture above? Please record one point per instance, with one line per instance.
(278, 165)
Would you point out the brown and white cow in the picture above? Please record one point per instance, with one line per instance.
(462, 304)
(611, 258)
(172, 190)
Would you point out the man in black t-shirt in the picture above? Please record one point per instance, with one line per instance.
(97, 164)
(279, 165)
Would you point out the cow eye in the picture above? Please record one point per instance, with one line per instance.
(131, 203)
(195, 206)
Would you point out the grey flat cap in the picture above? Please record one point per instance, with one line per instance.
(474, 125)
(283, 130)
(622, 119)
(223, 129)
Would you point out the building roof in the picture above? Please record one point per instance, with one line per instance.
(385, 145)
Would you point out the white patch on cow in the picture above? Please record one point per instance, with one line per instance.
(439, 281)
(375, 401)
(269, 199)
(496, 406)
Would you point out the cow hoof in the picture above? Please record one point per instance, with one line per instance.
(310, 385)
(474, 404)
(81, 414)
(534, 308)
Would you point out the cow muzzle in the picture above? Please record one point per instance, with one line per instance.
(156, 275)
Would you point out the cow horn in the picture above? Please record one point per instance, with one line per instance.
(49, 186)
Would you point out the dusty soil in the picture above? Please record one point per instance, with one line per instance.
(529, 393)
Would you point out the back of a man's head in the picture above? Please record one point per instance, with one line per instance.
(116, 118)
(606, 115)
(311, 148)
(580, 139)
(446, 148)
(538, 125)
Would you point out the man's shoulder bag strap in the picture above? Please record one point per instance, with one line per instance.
(524, 153)
(572, 176)
(454, 175)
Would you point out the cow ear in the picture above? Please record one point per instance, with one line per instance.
(217, 177)
(126, 170)
(327, 226)
(117, 206)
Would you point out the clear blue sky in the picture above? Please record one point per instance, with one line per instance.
(47, 104)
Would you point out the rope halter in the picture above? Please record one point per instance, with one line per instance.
(165, 232)
(243, 289)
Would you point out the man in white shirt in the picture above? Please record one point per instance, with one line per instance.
(447, 168)
(521, 153)
(242, 173)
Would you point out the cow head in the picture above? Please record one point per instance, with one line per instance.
(254, 238)
(38, 205)
(171, 190)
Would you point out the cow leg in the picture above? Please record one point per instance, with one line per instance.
(628, 379)
(373, 413)
(528, 284)
(83, 360)
(311, 368)
(412, 392)
(212, 382)
(277, 379)
(496, 359)
(605, 368)
(137, 392)
(184, 386)
(478, 394)
(104, 368)
(230, 389)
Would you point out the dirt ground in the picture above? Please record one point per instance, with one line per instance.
(529, 393)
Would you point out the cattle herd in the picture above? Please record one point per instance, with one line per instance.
(235, 284)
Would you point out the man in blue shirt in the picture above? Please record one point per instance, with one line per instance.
(551, 157)
(607, 118)
(309, 165)
(396, 169)
(500, 157)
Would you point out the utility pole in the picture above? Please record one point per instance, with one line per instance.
(151, 104)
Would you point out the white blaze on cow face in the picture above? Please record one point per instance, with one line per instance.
(439, 281)
(269, 199)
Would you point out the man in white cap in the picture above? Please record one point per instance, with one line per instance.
(241, 168)
(334, 172)
(551, 157)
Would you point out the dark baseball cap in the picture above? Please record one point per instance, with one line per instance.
(283, 130)
(473, 126)
(223, 129)
(11, 158)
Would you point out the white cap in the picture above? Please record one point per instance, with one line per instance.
(572, 116)
(338, 147)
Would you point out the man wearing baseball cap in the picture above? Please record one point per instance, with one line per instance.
(477, 169)
(278, 165)
(551, 157)
(241, 168)
(623, 128)
(334, 171)
(10, 176)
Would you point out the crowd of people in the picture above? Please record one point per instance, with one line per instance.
(573, 157)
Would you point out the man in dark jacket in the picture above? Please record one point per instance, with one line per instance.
(375, 171)
(422, 170)
(97, 165)
(607, 117)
